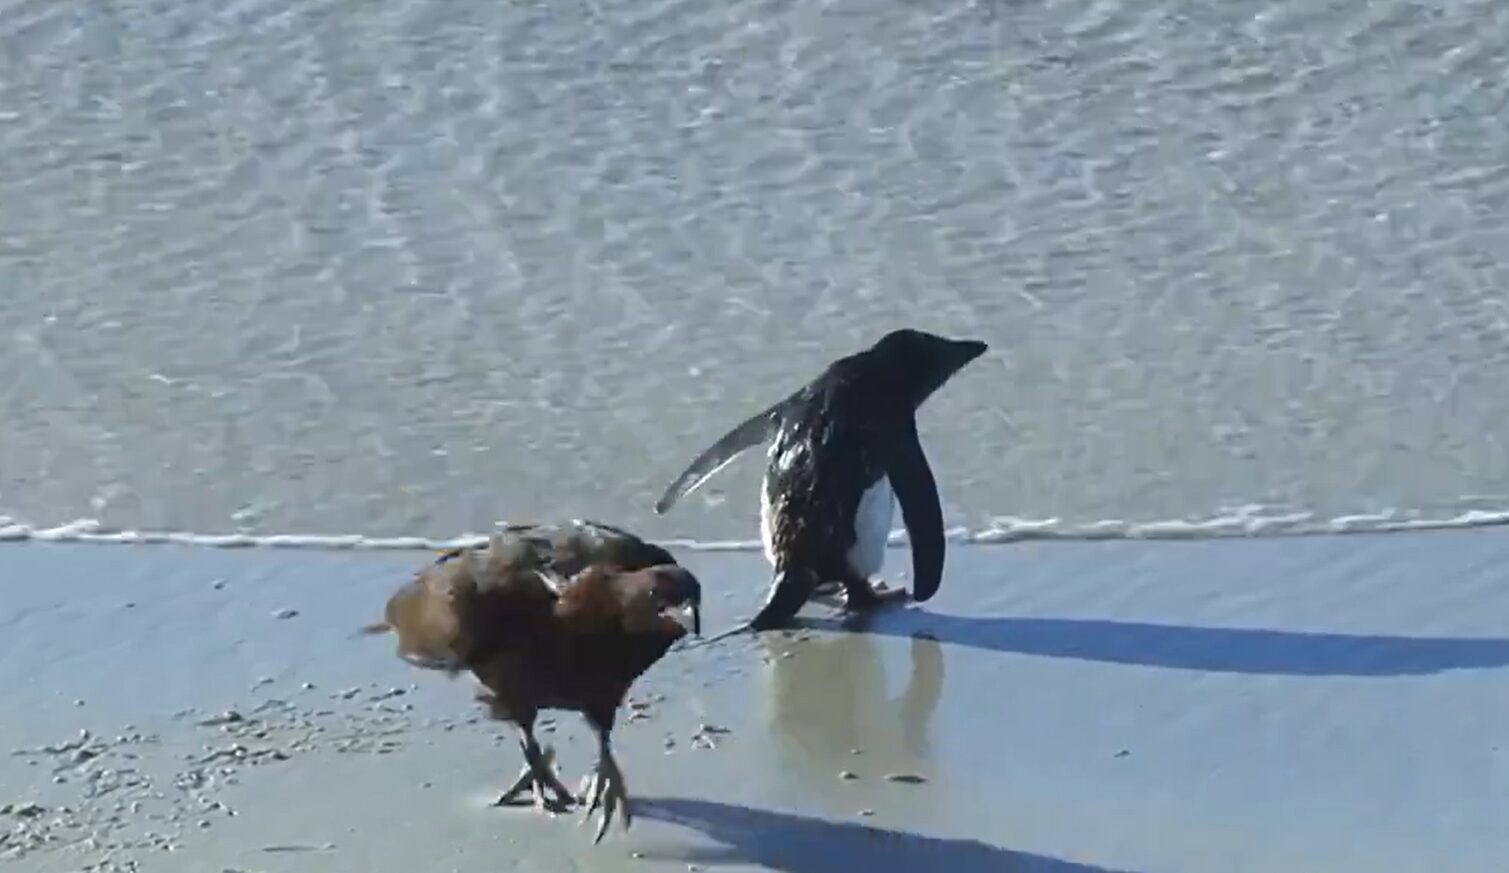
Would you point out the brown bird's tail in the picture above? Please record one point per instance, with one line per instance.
(377, 627)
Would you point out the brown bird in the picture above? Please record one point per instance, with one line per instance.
(547, 618)
(427, 612)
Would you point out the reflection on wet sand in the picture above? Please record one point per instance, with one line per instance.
(826, 696)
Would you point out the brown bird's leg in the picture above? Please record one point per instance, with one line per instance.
(606, 784)
(538, 776)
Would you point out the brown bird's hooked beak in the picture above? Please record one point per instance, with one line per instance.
(681, 588)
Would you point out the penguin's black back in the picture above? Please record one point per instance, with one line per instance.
(828, 449)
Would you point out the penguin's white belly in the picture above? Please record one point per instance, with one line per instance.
(767, 525)
(872, 529)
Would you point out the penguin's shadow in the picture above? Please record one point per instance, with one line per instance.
(800, 844)
(1259, 651)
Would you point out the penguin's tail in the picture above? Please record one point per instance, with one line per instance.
(789, 590)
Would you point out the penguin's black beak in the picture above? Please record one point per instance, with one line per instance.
(955, 355)
(965, 351)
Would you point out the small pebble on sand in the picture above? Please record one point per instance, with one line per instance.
(847, 775)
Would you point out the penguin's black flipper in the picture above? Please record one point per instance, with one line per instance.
(917, 492)
(746, 435)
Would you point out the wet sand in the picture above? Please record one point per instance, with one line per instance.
(1319, 704)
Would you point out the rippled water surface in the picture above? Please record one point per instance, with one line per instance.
(413, 266)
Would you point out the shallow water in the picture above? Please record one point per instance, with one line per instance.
(413, 267)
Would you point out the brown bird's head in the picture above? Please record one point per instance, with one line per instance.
(676, 587)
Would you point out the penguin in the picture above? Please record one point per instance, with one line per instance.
(844, 450)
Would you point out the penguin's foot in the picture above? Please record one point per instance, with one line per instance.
(863, 596)
(829, 594)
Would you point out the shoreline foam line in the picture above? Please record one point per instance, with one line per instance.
(1244, 524)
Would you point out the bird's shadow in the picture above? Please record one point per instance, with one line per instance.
(799, 844)
(1185, 647)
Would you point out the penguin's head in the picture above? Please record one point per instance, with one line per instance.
(925, 360)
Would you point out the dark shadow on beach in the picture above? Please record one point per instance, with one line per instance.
(1184, 647)
(799, 844)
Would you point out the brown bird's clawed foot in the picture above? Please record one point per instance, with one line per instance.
(606, 787)
(538, 777)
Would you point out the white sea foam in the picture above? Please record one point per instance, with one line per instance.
(1247, 522)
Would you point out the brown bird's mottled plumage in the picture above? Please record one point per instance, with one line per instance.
(570, 547)
(548, 619)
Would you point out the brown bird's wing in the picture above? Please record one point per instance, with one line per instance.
(579, 544)
(590, 602)
(462, 607)
(614, 624)
(569, 547)
(583, 650)
(514, 596)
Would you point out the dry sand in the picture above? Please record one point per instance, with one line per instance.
(1319, 704)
